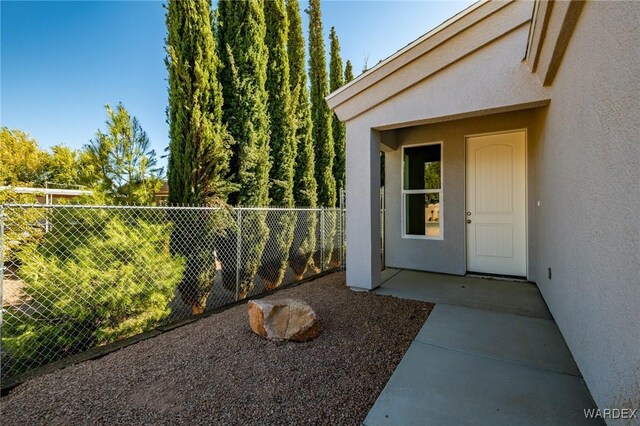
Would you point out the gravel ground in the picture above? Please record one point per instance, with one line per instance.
(217, 371)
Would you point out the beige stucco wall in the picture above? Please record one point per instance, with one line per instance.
(493, 77)
(588, 180)
(448, 255)
(583, 168)
(485, 79)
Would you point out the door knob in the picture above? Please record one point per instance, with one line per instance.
(468, 220)
(468, 213)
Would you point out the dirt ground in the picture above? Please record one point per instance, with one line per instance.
(12, 293)
(217, 371)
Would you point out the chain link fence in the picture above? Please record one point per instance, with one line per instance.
(76, 277)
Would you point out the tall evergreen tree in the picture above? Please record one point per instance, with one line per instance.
(199, 147)
(305, 188)
(336, 80)
(348, 72)
(125, 162)
(320, 113)
(282, 145)
(322, 131)
(240, 34)
(348, 76)
(282, 124)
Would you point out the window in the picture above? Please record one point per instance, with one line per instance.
(422, 191)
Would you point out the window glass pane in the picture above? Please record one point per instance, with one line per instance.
(422, 214)
(422, 167)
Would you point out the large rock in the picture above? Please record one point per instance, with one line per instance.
(286, 319)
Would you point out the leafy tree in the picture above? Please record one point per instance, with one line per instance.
(432, 179)
(240, 34)
(23, 162)
(88, 171)
(320, 113)
(62, 166)
(305, 187)
(336, 81)
(126, 164)
(348, 72)
(200, 146)
(282, 144)
(19, 220)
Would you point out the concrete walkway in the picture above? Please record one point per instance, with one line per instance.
(489, 353)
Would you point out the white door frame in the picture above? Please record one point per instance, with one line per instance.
(526, 189)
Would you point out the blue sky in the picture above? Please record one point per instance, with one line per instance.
(61, 62)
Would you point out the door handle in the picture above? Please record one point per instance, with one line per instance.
(468, 220)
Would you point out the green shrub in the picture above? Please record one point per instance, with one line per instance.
(95, 278)
(20, 225)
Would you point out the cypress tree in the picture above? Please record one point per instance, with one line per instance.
(282, 137)
(240, 35)
(241, 32)
(282, 145)
(348, 72)
(336, 80)
(199, 147)
(305, 188)
(322, 131)
(320, 113)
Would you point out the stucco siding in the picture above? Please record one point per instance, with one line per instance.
(588, 226)
(492, 77)
(448, 255)
(363, 217)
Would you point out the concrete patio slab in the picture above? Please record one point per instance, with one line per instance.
(533, 342)
(505, 296)
(388, 273)
(439, 386)
(489, 353)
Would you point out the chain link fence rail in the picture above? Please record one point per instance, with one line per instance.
(76, 277)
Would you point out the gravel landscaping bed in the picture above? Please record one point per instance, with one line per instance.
(217, 371)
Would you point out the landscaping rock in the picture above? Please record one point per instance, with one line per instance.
(286, 319)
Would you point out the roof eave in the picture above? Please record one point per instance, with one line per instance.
(371, 73)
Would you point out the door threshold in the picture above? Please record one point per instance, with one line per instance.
(515, 278)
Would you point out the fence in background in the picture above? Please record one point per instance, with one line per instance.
(342, 197)
(78, 277)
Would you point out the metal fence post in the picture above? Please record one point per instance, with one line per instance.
(321, 239)
(382, 225)
(338, 219)
(238, 251)
(342, 230)
(1, 281)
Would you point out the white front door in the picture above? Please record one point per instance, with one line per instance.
(496, 203)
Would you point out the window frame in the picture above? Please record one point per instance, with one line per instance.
(404, 192)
